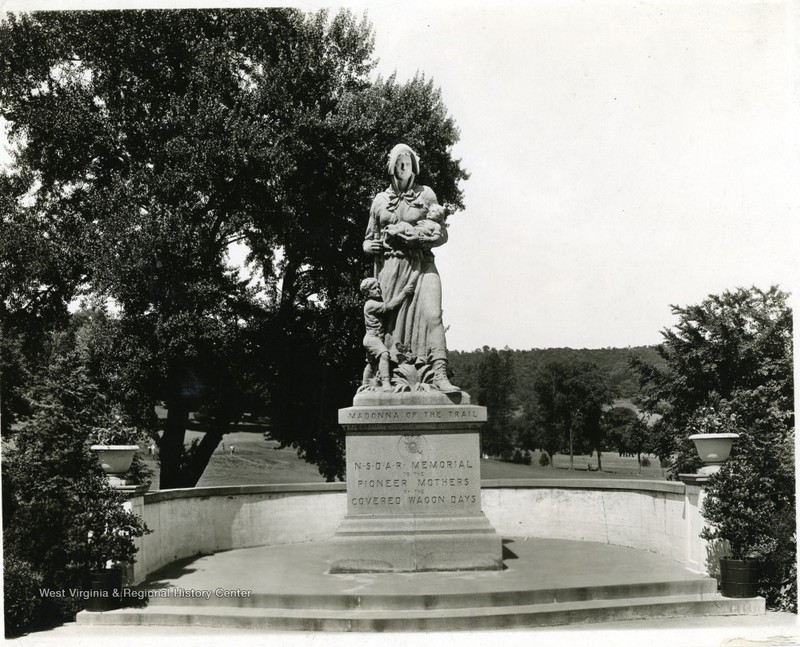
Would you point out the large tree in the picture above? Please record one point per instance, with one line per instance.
(571, 396)
(148, 142)
(539, 433)
(495, 389)
(735, 343)
(627, 430)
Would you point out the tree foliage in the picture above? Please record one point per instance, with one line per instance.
(149, 142)
(731, 344)
(495, 385)
(627, 431)
(530, 426)
(571, 397)
(615, 363)
(619, 424)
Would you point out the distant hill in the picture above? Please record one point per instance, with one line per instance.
(614, 361)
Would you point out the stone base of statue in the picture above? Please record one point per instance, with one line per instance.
(413, 486)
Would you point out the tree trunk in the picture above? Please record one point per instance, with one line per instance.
(170, 448)
(599, 461)
(288, 286)
(202, 455)
(571, 456)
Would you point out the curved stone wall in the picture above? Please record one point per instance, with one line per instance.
(652, 515)
(208, 520)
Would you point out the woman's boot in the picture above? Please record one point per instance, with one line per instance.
(440, 380)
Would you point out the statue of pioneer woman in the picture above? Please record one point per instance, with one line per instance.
(405, 224)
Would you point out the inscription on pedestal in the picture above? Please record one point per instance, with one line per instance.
(414, 491)
(400, 470)
(412, 486)
(363, 415)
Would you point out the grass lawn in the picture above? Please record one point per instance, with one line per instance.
(614, 466)
(256, 461)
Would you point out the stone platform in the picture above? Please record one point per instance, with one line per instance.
(544, 582)
(414, 486)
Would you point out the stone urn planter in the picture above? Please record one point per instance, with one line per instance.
(115, 459)
(713, 449)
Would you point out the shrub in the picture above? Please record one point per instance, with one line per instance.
(21, 602)
(114, 431)
(58, 496)
(544, 459)
(644, 461)
(750, 502)
(65, 526)
(526, 457)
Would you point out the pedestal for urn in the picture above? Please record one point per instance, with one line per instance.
(413, 486)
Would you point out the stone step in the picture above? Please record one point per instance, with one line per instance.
(441, 619)
(700, 586)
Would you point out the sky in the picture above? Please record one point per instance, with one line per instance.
(624, 156)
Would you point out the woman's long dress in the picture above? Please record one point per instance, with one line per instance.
(417, 323)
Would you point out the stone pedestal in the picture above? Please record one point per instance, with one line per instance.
(699, 552)
(413, 487)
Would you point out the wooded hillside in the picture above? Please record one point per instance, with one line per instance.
(612, 361)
